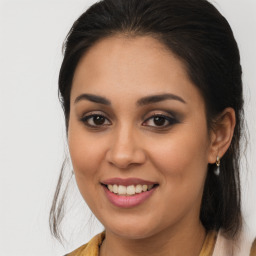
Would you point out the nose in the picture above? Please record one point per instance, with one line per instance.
(125, 149)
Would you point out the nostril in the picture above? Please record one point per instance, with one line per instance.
(123, 158)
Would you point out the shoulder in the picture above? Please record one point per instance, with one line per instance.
(89, 249)
(78, 251)
(253, 249)
(242, 245)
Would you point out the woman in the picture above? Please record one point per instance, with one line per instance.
(152, 96)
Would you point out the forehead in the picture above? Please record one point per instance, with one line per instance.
(127, 66)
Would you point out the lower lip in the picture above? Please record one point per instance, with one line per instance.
(128, 201)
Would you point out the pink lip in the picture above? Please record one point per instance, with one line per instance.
(127, 182)
(128, 201)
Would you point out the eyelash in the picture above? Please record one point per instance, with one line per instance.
(85, 120)
(171, 121)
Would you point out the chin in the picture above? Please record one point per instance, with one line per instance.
(131, 230)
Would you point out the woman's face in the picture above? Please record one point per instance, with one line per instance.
(137, 121)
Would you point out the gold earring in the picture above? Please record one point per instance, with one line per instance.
(217, 170)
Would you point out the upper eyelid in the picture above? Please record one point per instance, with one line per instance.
(164, 116)
(171, 121)
(94, 113)
(86, 117)
(111, 116)
(168, 118)
(159, 113)
(144, 117)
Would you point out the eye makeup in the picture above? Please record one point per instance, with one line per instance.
(158, 120)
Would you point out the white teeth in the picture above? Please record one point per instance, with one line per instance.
(121, 190)
(129, 190)
(110, 187)
(144, 188)
(138, 189)
(115, 189)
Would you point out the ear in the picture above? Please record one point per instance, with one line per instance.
(221, 134)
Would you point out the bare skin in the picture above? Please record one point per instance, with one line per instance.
(165, 141)
(161, 244)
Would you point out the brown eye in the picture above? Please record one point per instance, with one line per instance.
(95, 120)
(160, 121)
(98, 120)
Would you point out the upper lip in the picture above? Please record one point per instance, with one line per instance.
(127, 182)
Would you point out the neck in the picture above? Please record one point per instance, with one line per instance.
(184, 241)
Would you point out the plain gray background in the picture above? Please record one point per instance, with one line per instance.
(32, 134)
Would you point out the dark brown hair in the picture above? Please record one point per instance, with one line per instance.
(202, 39)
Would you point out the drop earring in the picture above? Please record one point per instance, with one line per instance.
(217, 170)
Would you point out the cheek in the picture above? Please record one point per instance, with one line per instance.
(182, 158)
(86, 157)
(182, 162)
(84, 150)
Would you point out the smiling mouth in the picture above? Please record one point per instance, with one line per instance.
(130, 190)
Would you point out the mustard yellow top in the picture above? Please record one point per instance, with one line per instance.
(92, 248)
(253, 249)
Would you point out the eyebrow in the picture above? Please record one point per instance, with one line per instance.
(157, 98)
(93, 98)
(141, 102)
